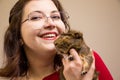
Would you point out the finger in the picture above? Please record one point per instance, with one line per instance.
(65, 59)
(64, 56)
(92, 69)
(74, 53)
(66, 62)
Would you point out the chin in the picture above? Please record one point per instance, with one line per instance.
(50, 47)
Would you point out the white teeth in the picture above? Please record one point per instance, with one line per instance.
(49, 35)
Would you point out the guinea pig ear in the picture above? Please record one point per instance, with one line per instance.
(78, 35)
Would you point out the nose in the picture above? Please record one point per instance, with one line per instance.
(49, 23)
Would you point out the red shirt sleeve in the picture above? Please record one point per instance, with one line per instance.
(104, 73)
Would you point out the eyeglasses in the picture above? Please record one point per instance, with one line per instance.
(40, 16)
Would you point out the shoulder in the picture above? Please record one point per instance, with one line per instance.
(104, 73)
(99, 63)
(98, 59)
(96, 55)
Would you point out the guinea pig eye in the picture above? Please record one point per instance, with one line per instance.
(78, 36)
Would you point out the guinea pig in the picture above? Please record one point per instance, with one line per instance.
(74, 39)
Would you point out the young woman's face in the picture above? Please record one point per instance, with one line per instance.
(41, 25)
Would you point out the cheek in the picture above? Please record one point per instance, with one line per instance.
(30, 28)
(61, 26)
(27, 32)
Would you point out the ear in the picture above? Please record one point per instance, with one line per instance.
(21, 42)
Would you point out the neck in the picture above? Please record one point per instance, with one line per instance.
(40, 66)
(38, 73)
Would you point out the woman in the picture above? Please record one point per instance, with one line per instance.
(33, 27)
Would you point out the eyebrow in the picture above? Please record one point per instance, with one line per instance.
(55, 11)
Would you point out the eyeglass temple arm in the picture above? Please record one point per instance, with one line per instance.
(24, 20)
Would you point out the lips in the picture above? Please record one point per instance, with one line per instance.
(49, 35)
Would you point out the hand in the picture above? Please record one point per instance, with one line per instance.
(73, 68)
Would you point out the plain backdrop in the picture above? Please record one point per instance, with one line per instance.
(99, 20)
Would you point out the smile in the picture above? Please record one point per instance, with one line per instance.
(49, 36)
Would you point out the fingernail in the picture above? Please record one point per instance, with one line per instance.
(71, 50)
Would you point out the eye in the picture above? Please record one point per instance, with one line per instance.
(56, 17)
(35, 18)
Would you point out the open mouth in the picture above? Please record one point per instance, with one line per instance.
(49, 36)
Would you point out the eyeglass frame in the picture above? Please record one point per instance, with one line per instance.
(46, 17)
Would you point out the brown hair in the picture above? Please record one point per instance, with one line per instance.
(17, 64)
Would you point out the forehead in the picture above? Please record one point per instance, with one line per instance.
(46, 6)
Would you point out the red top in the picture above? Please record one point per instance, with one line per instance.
(104, 73)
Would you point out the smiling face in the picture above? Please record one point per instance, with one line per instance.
(41, 26)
